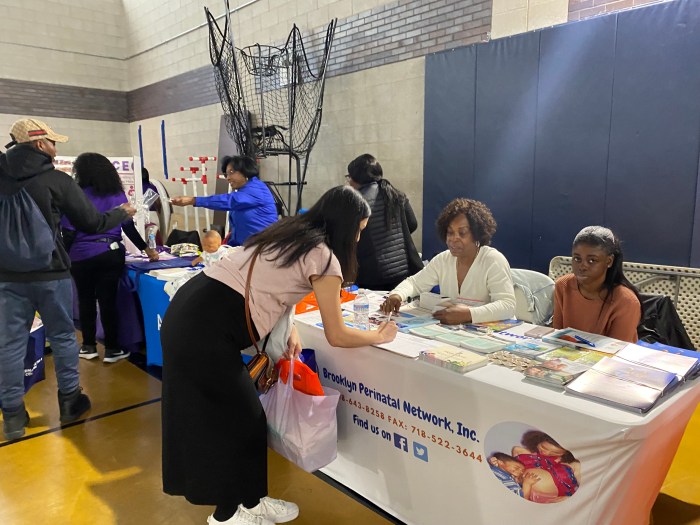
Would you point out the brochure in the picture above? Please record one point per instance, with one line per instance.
(580, 339)
(453, 358)
(492, 326)
(623, 384)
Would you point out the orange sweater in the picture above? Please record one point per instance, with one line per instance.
(618, 318)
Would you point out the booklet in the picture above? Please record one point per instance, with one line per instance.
(432, 331)
(530, 347)
(681, 365)
(660, 347)
(588, 341)
(453, 358)
(623, 384)
(545, 376)
(587, 358)
(456, 337)
(483, 345)
(492, 326)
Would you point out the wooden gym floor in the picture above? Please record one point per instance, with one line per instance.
(105, 469)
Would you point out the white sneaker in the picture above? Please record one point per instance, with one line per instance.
(241, 517)
(275, 510)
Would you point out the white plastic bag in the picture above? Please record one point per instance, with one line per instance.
(300, 427)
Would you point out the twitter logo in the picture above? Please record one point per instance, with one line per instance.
(420, 451)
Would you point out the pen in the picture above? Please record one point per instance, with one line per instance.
(584, 341)
(388, 320)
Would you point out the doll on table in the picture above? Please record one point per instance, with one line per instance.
(212, 249)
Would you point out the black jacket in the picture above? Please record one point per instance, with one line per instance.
(386, 256)
(661, 322)
(56, 194)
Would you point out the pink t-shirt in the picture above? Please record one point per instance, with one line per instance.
(273, 288)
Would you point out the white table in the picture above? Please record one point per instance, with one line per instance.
(425, 473)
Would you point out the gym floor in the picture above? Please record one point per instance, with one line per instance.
(106, 469)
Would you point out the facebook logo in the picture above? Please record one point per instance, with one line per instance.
(420, 451)
(400, 442)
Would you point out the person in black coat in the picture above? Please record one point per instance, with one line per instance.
(386, 254)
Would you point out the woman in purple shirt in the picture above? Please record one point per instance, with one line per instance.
(97, 260)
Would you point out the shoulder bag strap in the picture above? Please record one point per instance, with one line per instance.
(247, 299)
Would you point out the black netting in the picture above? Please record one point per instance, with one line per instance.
(273, 96)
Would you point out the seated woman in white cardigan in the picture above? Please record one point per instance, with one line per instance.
(472, 273)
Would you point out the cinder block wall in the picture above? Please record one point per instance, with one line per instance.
(99, 70)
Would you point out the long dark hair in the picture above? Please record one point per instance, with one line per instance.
(95, 171)
(334, 220)
(365, 169)
(532, 438)
(605, 239)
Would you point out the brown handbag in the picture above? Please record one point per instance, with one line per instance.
(261, 368)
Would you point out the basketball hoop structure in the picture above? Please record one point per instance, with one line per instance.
(272, 96)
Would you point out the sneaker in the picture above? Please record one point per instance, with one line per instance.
(275, 510)
(88, 351)
(13, 423)
(241, 517)
(112, 356)
(73, 405)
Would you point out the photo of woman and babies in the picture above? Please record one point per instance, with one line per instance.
(538, 468)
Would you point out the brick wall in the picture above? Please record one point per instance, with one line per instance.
(580, 9)
(397, 31)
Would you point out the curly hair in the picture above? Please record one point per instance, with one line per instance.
(532, 438)
(481, 222)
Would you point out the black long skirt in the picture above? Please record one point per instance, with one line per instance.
(214, 428)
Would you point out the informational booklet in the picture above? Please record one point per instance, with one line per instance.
(453, 358)
(660, 347)
(483, 345)
(545, 376)
(492, 326)
(681, 365)
(530, 347)
(588, 341)
(623, 384)
(584, 357)
(456, 337)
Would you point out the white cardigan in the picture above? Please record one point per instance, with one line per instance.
(488, 283)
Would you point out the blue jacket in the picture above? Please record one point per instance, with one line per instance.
(251, 209)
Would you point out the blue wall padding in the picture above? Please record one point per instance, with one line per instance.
(592, 122)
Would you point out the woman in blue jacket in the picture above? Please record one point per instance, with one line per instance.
(250, 204)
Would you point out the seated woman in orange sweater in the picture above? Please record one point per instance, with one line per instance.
(597, 297)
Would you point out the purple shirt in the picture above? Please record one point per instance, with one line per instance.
(88, 245)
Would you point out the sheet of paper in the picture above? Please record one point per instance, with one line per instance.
(409, 345)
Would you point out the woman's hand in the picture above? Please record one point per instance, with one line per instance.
(152, 254)
(182, 201)
(387, 332)
(454, 314)
(129, 209)
(391, 304)
(293, 345)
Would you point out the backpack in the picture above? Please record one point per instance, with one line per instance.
(27, 242)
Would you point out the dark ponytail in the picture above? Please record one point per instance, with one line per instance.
(365, 169)
(604, 238)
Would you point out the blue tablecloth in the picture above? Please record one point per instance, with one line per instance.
(154, 302)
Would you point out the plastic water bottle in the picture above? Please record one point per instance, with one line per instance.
(152, 240)
(360, 309)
